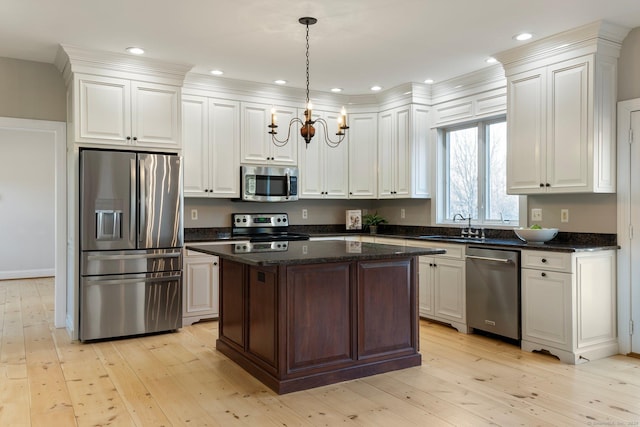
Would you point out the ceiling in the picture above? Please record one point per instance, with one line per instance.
(355, 44)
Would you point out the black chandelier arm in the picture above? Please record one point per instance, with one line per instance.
(341, 134)
(273, 132)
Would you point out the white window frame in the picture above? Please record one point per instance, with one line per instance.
(442, 174)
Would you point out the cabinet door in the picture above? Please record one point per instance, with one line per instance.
(567, 126)
(449, 290)
(546, 308)
(195, 140)
(402, 153)
(526, 121)
(336, 162)
(224, 148)
(255, 137)
(363, 142)
(420, 158)
(155, 118)
(425, 286)
(286, 154)
(385, 155)
(257, 146)
(103, 110)
(311, 162)
(201, 290)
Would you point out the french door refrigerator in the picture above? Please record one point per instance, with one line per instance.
(131, 241)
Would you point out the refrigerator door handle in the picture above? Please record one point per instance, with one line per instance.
(127, 257)
(132, 198)
(143, 200)
(102, 281)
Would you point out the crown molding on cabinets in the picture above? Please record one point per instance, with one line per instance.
(72, 59)
(600, 36)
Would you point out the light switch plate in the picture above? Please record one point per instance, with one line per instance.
(564, 215)
(536, 214)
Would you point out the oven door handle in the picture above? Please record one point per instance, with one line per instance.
(483, 258)
(109, 280)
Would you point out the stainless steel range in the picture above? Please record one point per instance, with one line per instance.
(263, 227)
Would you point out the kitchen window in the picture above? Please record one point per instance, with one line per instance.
(474, 158)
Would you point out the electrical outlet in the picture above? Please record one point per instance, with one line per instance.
(305, 214)
(194, 214)
(536, 214)
(402, 213)
(564, 215)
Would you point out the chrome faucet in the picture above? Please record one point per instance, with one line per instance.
(469, 231)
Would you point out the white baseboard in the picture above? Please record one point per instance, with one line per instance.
(27, 274)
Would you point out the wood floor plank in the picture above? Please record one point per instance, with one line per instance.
(179, 379)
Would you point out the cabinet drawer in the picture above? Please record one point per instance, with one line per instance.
(542, 260)
(454, 251)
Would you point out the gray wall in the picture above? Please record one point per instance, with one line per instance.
(31, 90)
(629, 67)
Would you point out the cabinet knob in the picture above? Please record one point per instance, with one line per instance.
(541, 185)
(135, 138)
(128, 138)
(544, 274)
(215, 263)
(547, 185)
(543, 260)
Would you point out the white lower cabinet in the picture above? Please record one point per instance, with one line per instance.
(569, 304)
(442, 291)
(200, 290)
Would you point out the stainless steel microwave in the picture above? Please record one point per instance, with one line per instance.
(269, 183)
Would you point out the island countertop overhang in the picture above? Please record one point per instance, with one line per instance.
(314, 252)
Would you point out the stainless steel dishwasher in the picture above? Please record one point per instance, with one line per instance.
(493, 290)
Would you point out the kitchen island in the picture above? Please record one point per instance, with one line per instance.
(298, 315)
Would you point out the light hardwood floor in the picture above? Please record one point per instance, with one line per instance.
(178, 379)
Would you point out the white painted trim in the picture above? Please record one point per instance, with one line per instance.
(23, 274)
(624, 219)
(59, 131)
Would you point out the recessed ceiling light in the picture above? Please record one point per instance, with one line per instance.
(376, 88)
(523, 36)
(429, 81)
(280, 82)
(491, 60)
(217, 72)
(336, 89)
(135, 50)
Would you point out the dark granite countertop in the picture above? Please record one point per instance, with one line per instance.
(564, 242)
(313, 252)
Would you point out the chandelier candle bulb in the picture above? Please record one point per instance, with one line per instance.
(273, 116)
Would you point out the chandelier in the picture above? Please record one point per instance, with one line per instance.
(307, 131)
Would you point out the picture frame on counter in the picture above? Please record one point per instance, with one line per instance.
(354, 219)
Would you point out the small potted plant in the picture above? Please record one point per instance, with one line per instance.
(372, 221)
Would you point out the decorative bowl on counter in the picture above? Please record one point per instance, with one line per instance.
(540, 235)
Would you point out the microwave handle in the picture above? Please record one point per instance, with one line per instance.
(288, 185)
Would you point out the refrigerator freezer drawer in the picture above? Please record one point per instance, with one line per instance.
(117, 306)
(99, 263)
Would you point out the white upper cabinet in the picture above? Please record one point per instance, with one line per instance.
(324, 170)
(362, 138)
(117, 111)
(561, 112)
(211, 140)
(256, 143)
(403, 153)
(394, 153)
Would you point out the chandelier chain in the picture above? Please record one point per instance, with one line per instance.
(307, 64)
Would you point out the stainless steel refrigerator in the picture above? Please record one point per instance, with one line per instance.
(131, 241)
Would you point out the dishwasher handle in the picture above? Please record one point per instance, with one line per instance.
(483, 258)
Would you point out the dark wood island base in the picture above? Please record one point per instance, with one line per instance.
(295, 327)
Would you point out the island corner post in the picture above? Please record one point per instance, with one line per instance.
(304, 325)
